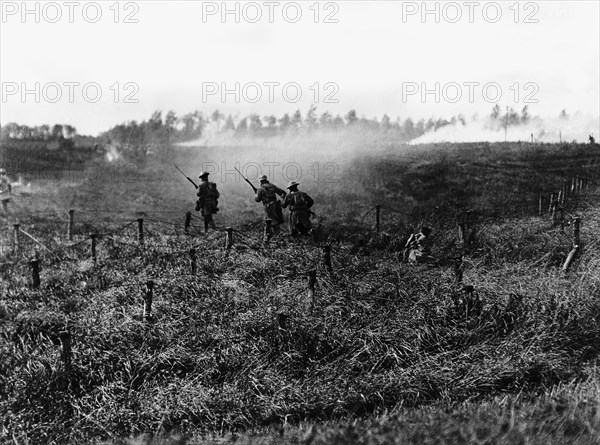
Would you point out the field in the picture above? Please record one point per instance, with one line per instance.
(237, 351)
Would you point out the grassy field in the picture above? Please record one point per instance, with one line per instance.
(236, 352)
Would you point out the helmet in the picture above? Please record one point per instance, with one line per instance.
(203, 174)
(292, 184)
(263, 178)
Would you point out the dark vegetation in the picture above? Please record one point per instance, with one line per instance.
(238, 346)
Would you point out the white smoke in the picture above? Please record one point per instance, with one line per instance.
(577, 127)
(112, 153)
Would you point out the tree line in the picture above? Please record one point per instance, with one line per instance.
(171, 128)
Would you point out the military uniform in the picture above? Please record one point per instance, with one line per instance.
(5, 191)
(207, 203)
(418, 247)
(267, 194)
(299, 204)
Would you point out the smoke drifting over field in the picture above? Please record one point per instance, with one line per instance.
(550, 130)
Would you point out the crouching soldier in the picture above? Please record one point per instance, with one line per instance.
(417, 249)
(207, 203)
(299, 204)
(5, 191)
(267, 194)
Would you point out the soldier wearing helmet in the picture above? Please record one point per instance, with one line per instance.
(267, 194)
(207, 203)
(300, 204)
(417, 248)
(5, 191)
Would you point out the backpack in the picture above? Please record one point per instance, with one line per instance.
(269, 191)
(299, 201)
(213, 193)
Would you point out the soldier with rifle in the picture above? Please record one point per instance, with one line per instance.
(300, 204)
(267, 194)
(208, 198)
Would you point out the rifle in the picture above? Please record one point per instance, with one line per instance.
(188, 178)
(247, 180)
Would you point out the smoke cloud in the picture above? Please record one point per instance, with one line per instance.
(577, 128)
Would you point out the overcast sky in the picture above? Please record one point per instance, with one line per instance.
(369, 55)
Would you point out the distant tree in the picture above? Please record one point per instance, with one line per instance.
(461, 119)
(408, 128)
(386, 123)
(420, 128)
(525, 116)
(217, 117)
(242, 127)
(511, 118)
(495, 112)
(326, 120)
(311, 119)
(170, 121)
(296, 121)
(45, 132)
(155, 121)
(57, 132)
(271, 121)
(338, 122)
(284, 122)
(351, 117)
(229, 124)
(430, 125)
(255, 124)
(563, 115)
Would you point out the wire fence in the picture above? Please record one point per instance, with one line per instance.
(81, 235)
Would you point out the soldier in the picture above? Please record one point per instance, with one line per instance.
(267, 194)
(299, 204)
(207, 203)
(591, 140)
(5, 191)
(417, 247)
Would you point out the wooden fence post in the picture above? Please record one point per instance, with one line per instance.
(268, 230)
(141, 230)
(188, 221)
(35, 273)
(148, 300)
(551, 202)
(576, 244)
(327, 257)
(377, 217)
(16, 242)
(554, 206)
(70, 225)
(67, 353)
(229, 238)
(93, 237)
(576, 229)
(458, 270)
(312, 281)
(193, 261)
(540, 206)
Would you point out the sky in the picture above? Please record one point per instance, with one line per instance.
(97, 64)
